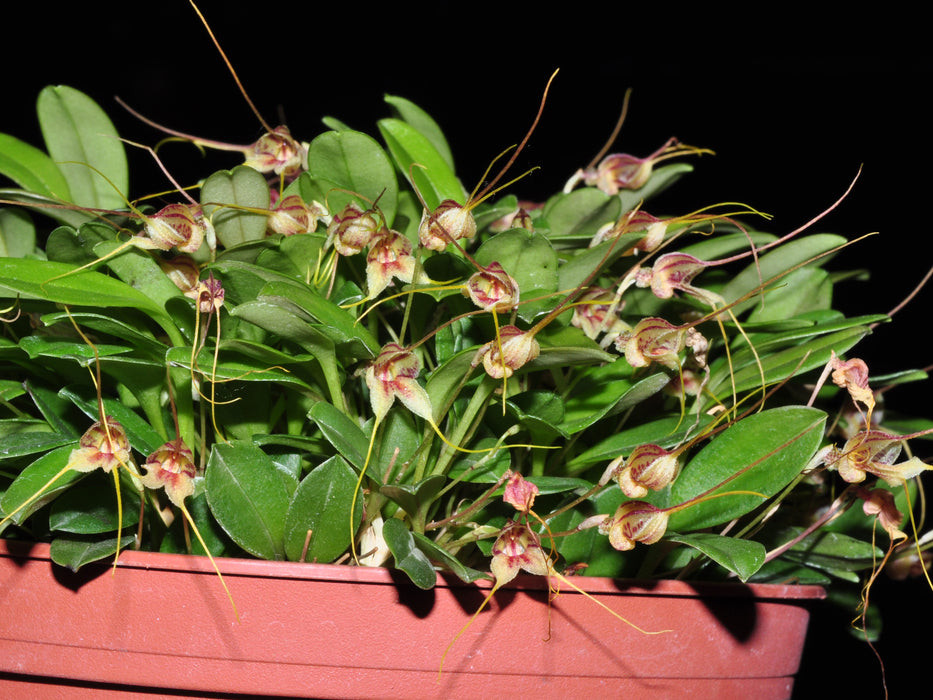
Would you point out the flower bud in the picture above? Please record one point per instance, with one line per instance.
(653, 340)
(648, 467)
(184, 272)
(519, 492)
(880, 503)
(518, 348)
(449, 222)
(352, 229)
(595, 312)
(278, 152)
(635, 221)
(175, 226)
(492, 289)
(634, 521)
(520, 218)
(292, 215)
(210, 294)
(852, 375)
(621, 171)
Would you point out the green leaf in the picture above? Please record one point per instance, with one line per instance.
(79, 134)
(17, 234)
(337, 323)
(175, 541)
(341, 432)
(835, 552)
(804, 290)
(356, 162)
(441, 555)
(32, 169)
(412, 498)
(52, 407)
(581, 213)
(47, 477)
(40, 279)
(774, 263)
(408, 557)
(741, 557)
(778, 366)
(541, 412)
(227, 196)
(574, 272)
(248, 497)
(90, 507)
(432, 176)
(137, 336)
(602, 389)
(660, 180)
(666, 432)
(761, 453)
(75, 552)
(49, 206)
(567, 347)
(23, 444)
(322, 505)
(411, 113)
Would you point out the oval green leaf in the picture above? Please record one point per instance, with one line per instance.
(226, 198)
(248, 497)
(761, 453)
(322, 505)
(78, 134)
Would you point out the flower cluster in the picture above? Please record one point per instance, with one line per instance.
(401, 372)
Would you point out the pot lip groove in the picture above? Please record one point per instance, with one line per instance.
(185, 563)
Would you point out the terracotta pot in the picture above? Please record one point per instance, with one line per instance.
(162, 621)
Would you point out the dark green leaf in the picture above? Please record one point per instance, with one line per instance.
(248, 497)
(741, 557)
(321, 506)
(74, 552)
(408, 557)
(761, 453)
(345, 435)
(43, 481)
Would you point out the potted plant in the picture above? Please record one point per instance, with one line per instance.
(336, 353)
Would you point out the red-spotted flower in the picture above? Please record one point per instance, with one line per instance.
(874, 452)
(492, 289)
(393, 374)
(352, 229)
(634, 521)
(277, 152)
(621, 171)
(171, 467)
(596, 312)
(390, 255)
(647, 467)
(451, 221)
(512, 350)
(292, 215)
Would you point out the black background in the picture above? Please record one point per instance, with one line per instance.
(791, 103)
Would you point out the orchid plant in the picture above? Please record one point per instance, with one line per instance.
(669, 391)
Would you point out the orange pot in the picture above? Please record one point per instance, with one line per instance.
(162, 621)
